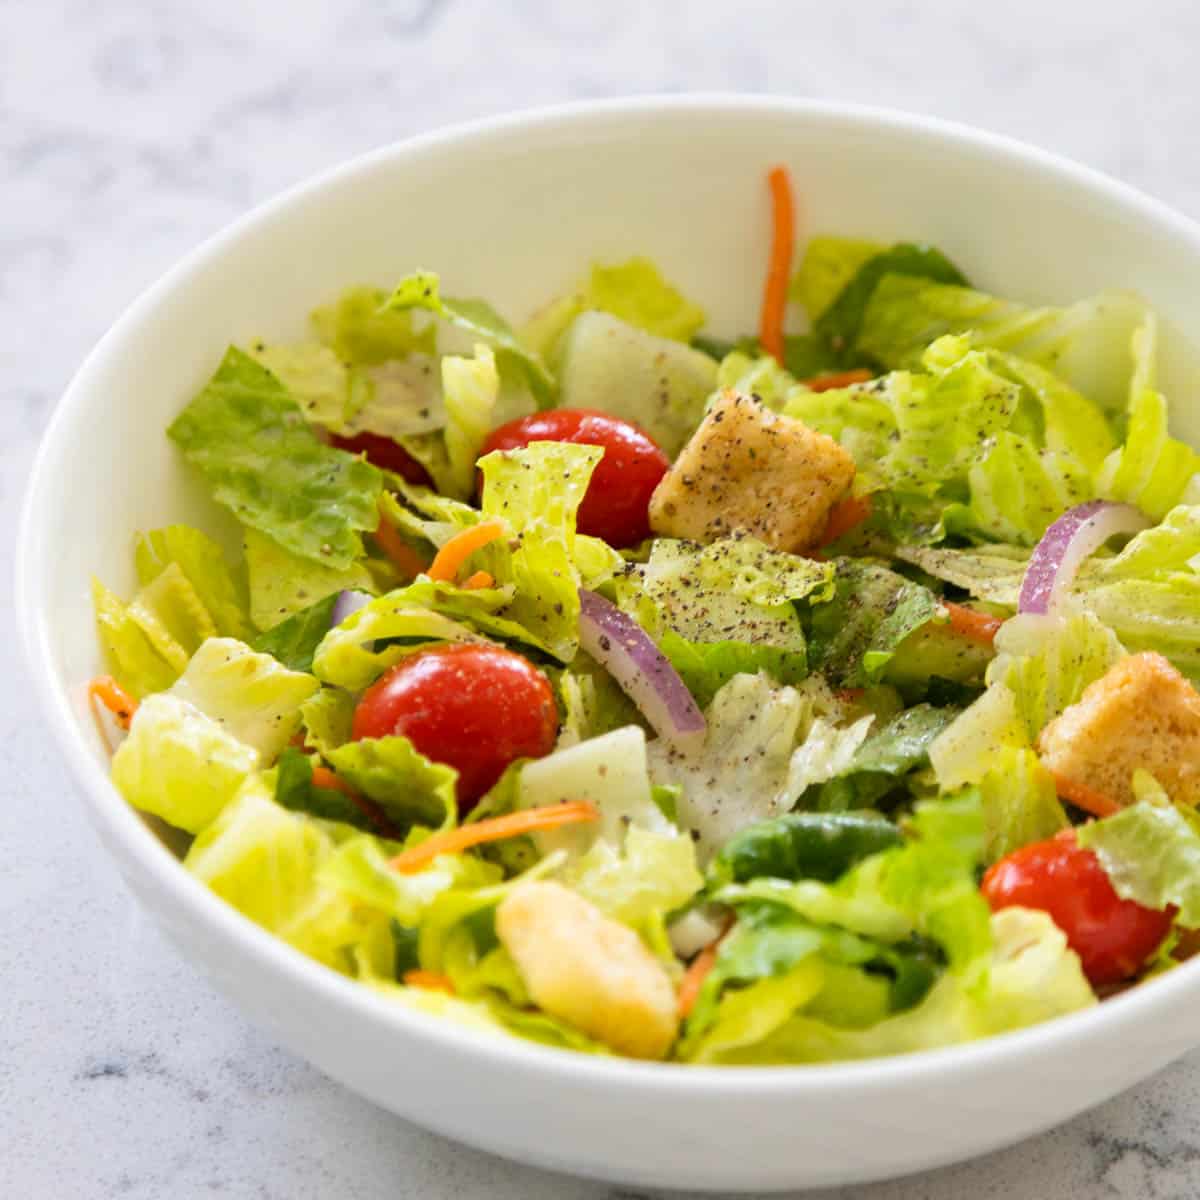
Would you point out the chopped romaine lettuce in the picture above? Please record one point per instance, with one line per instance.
(635, 292)
(360, 330)
(1152, 855)
(129, 653)
(250, 440)
(295, 639)
(180, 764)
(829, 264)
(202, 562)
(172, 616)
(249, 695)
(402, 782)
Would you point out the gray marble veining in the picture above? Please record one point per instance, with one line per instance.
(131, 130)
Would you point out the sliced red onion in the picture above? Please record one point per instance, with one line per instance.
(347, 603)
(1067, 544)
(616, 641)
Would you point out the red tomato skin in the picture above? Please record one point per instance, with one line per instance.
(1113, 937)
(614, 507)
(476, 708)
(383, 452)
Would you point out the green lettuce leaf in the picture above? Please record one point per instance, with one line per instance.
(842, 323)
(295, 790)
(822, 846)
(424, 515)
(361, 331)
(265, 862)
(327, 717)
(128, 652)
(1086, 344)
(1019, 803)
(592, 702)
(283, 584)
(1158, 553)
(635, 292)
(828, 266)
(250, 440)
(422, 290)
(249, 695)
(660, 385)
(879, 766)
(180, 764)
(203, 564)
(705, 667)
(653, 873)
(294, 641)
(472, 388)
(172, 616)
(853, 636)
(1151, 853)
(1151, 470)
(402, 782)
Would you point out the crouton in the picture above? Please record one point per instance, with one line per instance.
(588, 969)
(748, 469)
(1142, 713)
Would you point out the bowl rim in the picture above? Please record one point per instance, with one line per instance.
(120, 824)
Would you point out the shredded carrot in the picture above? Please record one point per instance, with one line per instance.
(481, 579)
(433, 981)
(698, 969)
(972, 624)
(841, 379)
(460, 547)
(323, 777)
(1087, 798)
(403, 557)
(779, 268)
(114, 697)
(530, 820)
(844, 516)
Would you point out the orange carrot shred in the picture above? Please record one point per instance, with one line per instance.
(698, 969)
(972, 624)
(114, 697)
(779, 268)
(529, 820)
(841, 379)
(481, 579)
(844, 516)
(460, 547)
(403, 557)
(323, 777)
(433, 981)
(1087, 798)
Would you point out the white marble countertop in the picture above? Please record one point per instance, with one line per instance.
(131, 130)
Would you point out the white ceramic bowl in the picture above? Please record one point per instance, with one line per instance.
(514, 210)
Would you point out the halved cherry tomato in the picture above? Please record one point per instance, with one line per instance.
(383, 452)
(1113, 937)
(476, 708)
(618, 496)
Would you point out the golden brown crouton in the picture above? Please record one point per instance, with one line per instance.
(1141, 713)
(588, 969)
(749, 469)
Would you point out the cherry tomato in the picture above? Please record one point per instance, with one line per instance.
(1113, 937)
(476, 708)
(614, 507)
(383, 452)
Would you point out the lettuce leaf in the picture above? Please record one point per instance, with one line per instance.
(853, 636)
(249, 695)
(653, 873)
(250, 440)
(1158, 553)
(393, 774)
(265, 862)
(1151, 470)
(1151, 853)
(705, 667)
(611, 772)
(1085, 344)
(422, 290)
(295, 791)
(842, 322)
(172, 616)
(204, 566)
(592, 702)
(327, 717)
(128, 652)
(294, 641)
(283, 584)
(180, 764)
(472, 389)
(637, 293)
(1019, 803)
(361, 331)
(743, 772)
(829, 264)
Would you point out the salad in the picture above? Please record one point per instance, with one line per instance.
(801, 697)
